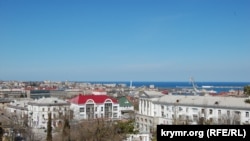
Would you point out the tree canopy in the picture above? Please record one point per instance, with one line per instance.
(247, 90)
(126, 127)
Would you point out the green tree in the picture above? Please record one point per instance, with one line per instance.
(49, 128)
(126, 127)
(247, 90)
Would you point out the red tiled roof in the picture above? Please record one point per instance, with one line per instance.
(81, 99)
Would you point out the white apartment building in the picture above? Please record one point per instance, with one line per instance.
(18, 110)
(94, 106)
(180, 109)
(38, 111)
(18, 107)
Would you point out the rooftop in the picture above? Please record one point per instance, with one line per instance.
(82, 99)
(51, 101)
(210, 101)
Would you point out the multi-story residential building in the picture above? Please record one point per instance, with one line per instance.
(38, 111)
(12, 92)
(95, 106)
(180, 109)
(18, 107)
(144, 120)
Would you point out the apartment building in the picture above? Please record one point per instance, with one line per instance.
(94, 106)
(38, 111)
(180, 109)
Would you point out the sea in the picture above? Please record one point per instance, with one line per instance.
(216, 86)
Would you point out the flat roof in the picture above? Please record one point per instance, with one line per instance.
(204, 101)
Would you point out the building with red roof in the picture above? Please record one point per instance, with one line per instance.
(95, 106)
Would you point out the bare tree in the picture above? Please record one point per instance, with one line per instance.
(66, 130)
(97, 130)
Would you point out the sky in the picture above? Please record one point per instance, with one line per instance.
(123, 40)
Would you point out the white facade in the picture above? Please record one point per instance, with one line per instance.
(92, 110)
(127, 108)
(99, 92)
(98, 111)
(138, 137)
(173, 109)
(18, 107)
(38, 111)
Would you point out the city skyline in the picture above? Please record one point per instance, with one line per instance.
(124, 40)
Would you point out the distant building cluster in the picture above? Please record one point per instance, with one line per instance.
(28, 104)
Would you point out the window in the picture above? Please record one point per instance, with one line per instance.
(210, 111)
(95, 108)
(82, 109)
(48, 109)
(219, 112)
(180, 109)
(115, 115)
(88, 109)
(219, 120)
(43, 109)
(211, 120)
(195, 117)
(195, 109)
(228, 113)
(247, 114)
(101, 108)
(173, 108)
(203, 111)
(108, 110)
(162, 107)
(115, 108)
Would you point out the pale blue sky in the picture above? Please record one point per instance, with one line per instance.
(122, 40)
